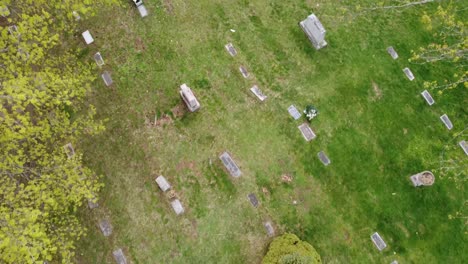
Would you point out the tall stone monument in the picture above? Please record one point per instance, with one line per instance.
(314, 31)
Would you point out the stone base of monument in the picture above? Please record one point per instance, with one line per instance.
(425, 178)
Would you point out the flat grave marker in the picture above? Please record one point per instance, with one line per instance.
(92, 205)
(446, 121)
(294, 112)
(163, 183)
(69, 150)
(324, 158)
(464, 146)
(427, 96)
(99, 60)
(408, 73)
(392, 52)
(230, 165)
(106, 77)
(253, 200)
(230, 48)
(244, 72)
(177, 206)
(255, 90)
(105, 227)
(269, 228)
(142, 10)
(378, 241)
(119, 256)
(307, 132)
(87, 37)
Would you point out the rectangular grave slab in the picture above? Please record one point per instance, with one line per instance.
(427, 96)
(92, 205)
(98, 58)
(464, 146)
(142, 10)
(446, 121)
(378, 241)
(314, 30)
(255, 90)
(4, 11)
(392, 52)
(408, 73)
(307, 132)
(230, 165)
(294, 112)
(87, 37)
(163, 183)
(105, 227)
(244, 72)
(269, 228)
(106, 77)
(177, 206)
(69, 150)
(230, 48)
(324, 158)
(119, 256)
(253, 200)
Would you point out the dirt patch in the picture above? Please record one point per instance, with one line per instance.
(377, 92)
(139, 45)
(287, 178)
(178, 110)
(164, 120)
(168, 6)
(405, 131)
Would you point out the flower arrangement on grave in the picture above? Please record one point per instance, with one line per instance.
(310, 112)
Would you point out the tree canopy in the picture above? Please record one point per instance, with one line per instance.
(289, 249)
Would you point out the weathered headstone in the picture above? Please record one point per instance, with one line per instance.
(392, 52)
(324, 158)
(4, 11)
(253, 200)
(464, 146)
(76, 15)
(314, 30)
(162, 183)
(87, 37)
(446, 121)
(255, 90)
(177, 206)
(105, 227)
(189, 98)
(425, 178)
(408, 73)
(427, 96)
(69, 150)
(142, 10)
(99, 60)
(269, 228)
(230, 165)
(307, 132)
(378, 241)
(244, 72)
(119, 256)
(230, 48)
(92, 205)
(294, 112)
(106, 77)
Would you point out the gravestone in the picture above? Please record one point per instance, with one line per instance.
(142, 10)
(394, 262)
(230, 165)
(4, 11)
(408, 73)
(392, 52)
(162, 183)
(76, 15)
(87, 37)
(324, 158)
(378, 241)
(307, 132)
(314, 30)
(230, 48)
(92, 205)
(99, 60)
(69, 150)
(177, 206)
(294, 112)
(244, 72)
(425, 178)
(119, 256)
(255, 90)
(427, 96)
(106, 77)
(464, 146)
(105, 227)
(446, 121)
(253, 200)
(269, 228)
(189, 98)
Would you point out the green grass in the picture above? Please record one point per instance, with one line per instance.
(375, 144)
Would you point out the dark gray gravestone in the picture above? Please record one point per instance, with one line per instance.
(307, 132)
(294, 112)
(107, 78)
(244, 72)
(230, 165)
(98, 58)
(253, 200)
(446, 121)
(269, 228)
(119, 256)
(378, 241)
(230, 48)
(464, 146)
(105, 227)
(408, 73)
(427, 96)
(392, 52)
(255, 90)
(324, 158)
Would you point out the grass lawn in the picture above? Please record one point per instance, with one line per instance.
(373, 124)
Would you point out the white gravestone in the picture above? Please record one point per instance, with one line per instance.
(119, 256)
(324, 158)
(142, 10)
(307, 132)
(230, 48)
(314, 30)
(255, 90)
(106, 77)
(392, 52)
(177, 206)
(427, 96)
(446, 121)
(189, 98)
(87, 37)
(230, 165)
(162, 183)
(294, 112)
(408, 73)
(464, 146)
(99, 60)
(378, 241)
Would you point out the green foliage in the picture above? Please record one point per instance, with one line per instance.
(289, 249)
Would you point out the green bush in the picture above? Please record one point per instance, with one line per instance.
(289, 249)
